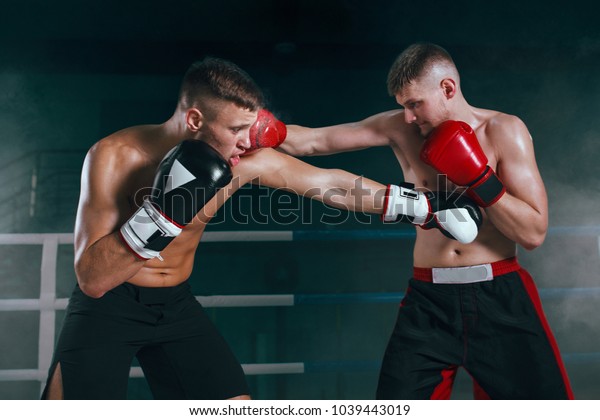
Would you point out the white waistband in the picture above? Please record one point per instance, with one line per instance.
(463, 275)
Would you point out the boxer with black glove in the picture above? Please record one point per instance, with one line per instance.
(186, 179)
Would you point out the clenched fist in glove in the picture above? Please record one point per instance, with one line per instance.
(452, 148)
(267, 131)
(456, 216)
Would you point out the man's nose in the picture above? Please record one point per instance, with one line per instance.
(409, 116)
(244, 141)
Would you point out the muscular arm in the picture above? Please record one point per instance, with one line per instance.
(102, 260)
(370, 132)
(334, 187)
(522, 213)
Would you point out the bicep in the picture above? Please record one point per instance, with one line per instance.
(102, 204)
(518, 170)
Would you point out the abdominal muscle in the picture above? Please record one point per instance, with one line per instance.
(433, 249)
(177, 261)
(177, 258)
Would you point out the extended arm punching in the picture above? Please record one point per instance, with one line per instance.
(370, 132)
(457, 218)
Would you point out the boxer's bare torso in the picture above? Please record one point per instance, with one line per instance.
(508, 146)
(128, 160)
(432, 249)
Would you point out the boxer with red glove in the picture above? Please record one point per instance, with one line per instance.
(455, 216)
(452, 148)
(267, 131)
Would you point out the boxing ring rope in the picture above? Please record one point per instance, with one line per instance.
(48, 303)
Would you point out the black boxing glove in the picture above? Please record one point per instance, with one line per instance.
(186, 179)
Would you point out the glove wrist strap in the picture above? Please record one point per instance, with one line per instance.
(487, 189)
(148, 231)
(404, 203)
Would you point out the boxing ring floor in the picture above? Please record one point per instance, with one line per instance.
(331, 333)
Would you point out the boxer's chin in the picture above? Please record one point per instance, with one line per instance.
(425, 129)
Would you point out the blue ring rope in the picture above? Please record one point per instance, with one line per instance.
(374, 365)
(546, 294)
(350, 234)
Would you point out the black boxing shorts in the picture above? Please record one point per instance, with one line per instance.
(487, 319)
(180, 351)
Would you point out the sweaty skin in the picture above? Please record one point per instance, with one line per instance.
(519, 217)
(435, 333)
(119, 171)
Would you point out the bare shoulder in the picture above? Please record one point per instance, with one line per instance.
(392, 124)
(387, 121)
(501, 128)
(385, 117)
(115, 166)
(117, 151)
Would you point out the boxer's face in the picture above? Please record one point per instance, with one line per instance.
(227, 130)
(424, 105)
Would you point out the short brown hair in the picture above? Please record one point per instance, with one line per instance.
(413, 62)
(220, 79)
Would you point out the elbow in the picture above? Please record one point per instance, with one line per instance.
(532, 240)
(532, 235)
(89, 285)
(91, 289)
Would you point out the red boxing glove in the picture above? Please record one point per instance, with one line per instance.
(267, 131)
(453, 149)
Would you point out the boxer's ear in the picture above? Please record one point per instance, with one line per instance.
(449, 87)
(194, 119)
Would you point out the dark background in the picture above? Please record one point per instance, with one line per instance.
(72, 72)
